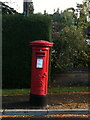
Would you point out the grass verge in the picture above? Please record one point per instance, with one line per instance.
(51, 90)
(69, 89)
(15, 91)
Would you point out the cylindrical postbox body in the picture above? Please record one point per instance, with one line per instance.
(39, 72)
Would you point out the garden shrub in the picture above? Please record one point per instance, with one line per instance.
(18, 31)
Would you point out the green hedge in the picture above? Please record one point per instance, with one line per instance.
(17, 32)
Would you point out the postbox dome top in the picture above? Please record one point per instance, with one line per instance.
(41, 43)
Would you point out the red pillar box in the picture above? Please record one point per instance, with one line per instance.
(39, 72)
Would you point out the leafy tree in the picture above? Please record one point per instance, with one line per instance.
(64, 19)
(7, 10)
(69, 44)
(70, 49)
(31, 8)
(82, 21)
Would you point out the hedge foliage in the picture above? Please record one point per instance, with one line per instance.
(17, 32)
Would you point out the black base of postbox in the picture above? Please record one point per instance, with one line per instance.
(38, 100)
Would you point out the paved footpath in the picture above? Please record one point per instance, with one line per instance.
(20, 108)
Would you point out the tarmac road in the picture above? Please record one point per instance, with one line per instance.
(68, 118)
(45, 115)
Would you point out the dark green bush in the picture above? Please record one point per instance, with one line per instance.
(17, 32)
